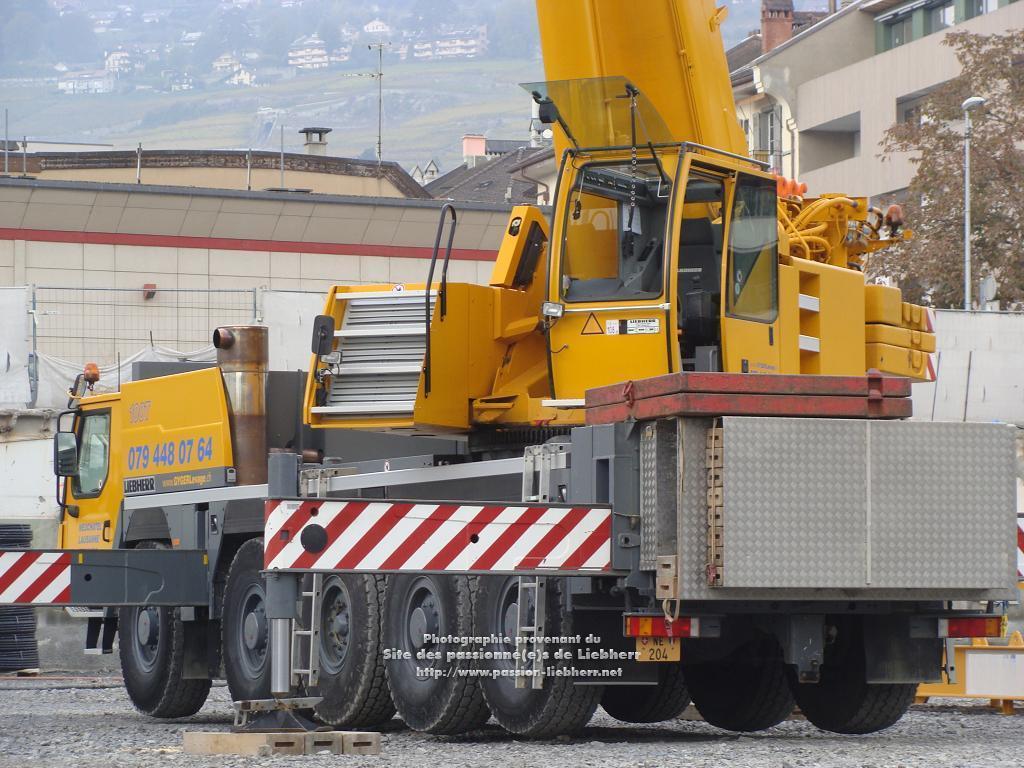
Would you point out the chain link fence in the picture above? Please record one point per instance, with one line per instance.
(102, 324)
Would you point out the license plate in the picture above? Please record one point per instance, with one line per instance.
(657, 648)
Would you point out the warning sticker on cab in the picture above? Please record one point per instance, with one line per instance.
(643, 325)
(636, 326)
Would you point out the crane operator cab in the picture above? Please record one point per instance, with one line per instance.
(664, 254)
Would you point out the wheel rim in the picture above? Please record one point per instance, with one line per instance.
(422, 614)
(335, 625)
(253, 631)
(146, 637)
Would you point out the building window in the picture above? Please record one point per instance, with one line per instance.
(941, 16)
(978, 7)
(900, 32)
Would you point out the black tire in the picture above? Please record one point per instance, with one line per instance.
(746, 691)
(245, 629)
(352, 681)
(842, 701)
(17, 619)
(560, 707)
(152, 670)
(15, 536)
(429, 694)
(649, 703)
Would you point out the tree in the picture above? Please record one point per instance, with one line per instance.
(929, 268)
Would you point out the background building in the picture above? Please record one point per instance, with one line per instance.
(818, 103)
(222, 169)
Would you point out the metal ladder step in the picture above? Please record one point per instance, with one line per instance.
(305, 661)
(530, 634)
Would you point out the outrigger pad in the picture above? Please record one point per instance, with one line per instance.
(276, 716)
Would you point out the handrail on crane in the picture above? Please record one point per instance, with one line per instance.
(447, 208)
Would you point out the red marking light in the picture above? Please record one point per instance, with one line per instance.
(972, 626)
(658, 626)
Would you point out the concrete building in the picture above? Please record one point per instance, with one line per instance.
(91, 82)
(224, 169)
(308, 53)
(115, 268)
(818, 104)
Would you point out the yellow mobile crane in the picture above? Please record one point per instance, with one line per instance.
(668, 249)
(760, 561)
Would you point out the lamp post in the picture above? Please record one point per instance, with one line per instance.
(968, 106)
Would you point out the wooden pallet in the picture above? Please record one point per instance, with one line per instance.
(265, 744)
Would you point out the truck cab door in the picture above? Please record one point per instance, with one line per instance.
(608, 278)
(92, 496)
(750, 280)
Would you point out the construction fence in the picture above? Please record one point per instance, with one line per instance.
(49, 332)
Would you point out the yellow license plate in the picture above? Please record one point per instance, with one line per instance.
(657, 649)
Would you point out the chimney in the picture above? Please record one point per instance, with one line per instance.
(776, 23)
(316, 140)
(474, 148)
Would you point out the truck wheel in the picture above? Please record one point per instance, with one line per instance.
(842, 701)
(152, 650)
(649, 703)
(429, 694)
(746, 691)
(352, 677)
(559, 707)
(245, 630)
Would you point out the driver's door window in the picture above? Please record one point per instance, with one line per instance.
(93, 455)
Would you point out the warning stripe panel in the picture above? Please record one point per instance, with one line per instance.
(1020, 548)
(322, 535)
(33, 577)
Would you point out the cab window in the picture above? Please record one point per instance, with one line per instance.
(93, 454)
(752, 284)
(614, 234)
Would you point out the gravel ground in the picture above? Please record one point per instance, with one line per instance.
(84, 722)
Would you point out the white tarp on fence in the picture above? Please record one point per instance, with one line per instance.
(289, 317)
(979, 366)
(15, 347)
(56, 375)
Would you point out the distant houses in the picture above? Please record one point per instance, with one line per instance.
(308, 53)
(89, 81)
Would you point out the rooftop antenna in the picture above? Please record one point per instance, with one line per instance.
(282, 155)
(379, 76)
(7, 146)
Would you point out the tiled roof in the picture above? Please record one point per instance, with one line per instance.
(489, 181)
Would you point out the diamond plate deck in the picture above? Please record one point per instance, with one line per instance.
(835, 509)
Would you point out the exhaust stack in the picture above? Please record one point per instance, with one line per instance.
(242, 353)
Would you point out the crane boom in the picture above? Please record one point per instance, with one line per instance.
(671, 51)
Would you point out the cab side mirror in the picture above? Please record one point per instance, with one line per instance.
(323, 335)
(65, 454)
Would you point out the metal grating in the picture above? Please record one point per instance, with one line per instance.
(382, 342)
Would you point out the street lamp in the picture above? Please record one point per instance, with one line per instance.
(968, 106)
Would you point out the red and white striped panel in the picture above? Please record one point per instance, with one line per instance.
(410, 536)
(1020, 548)
(39, 578)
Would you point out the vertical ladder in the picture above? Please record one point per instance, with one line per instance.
(308, 666)
(530, 632)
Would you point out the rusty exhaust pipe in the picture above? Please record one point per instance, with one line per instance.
(242, 353)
